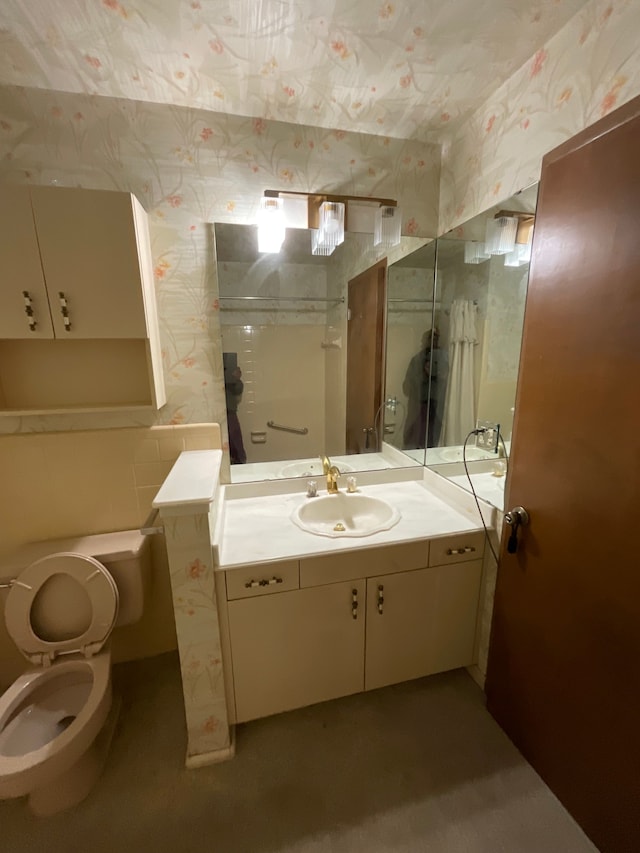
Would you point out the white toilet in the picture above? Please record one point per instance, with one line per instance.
(56, 721)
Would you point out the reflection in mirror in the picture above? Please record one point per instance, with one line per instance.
(477, 335)
(410, 309)
(301, 380)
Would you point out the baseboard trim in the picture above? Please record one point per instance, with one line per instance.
(203, 759)
(477, 674)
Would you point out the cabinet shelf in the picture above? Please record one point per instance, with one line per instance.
(53, 376)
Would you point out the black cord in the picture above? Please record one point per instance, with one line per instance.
(473, 491)
(506, 457)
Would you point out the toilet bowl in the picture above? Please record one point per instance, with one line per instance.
(56, 720)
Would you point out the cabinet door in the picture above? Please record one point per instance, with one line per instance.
(89, 253)
(421, 622)
(295, 648)
(21, 278)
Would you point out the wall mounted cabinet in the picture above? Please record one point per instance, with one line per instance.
(78, 320)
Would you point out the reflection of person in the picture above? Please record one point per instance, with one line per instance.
(424, 368)
(233, 388)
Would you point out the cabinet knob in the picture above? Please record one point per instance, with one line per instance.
(380, 599)
(354, 603)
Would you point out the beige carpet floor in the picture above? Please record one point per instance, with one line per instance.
(420, 767)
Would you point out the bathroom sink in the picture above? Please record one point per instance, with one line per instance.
(345, 515)
(310, 468)
(454, 454)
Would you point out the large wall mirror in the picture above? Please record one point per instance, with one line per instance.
(472, 353)
(376, 359)
(316, 350)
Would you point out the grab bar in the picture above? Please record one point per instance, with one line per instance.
(149, 527)
(297, 430)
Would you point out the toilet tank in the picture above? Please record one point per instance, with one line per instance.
(125, 554)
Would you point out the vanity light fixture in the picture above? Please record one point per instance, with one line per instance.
(520, 256)
(475, 253)
(500, 235)
(270, 225)
(520, 236)
(330, 231)
(386, 233)
(328, 216)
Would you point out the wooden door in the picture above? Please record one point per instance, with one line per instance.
(421, 622)
(89, 253)
(21, 280)
(296, 648)
(365, 349)
(563, 677)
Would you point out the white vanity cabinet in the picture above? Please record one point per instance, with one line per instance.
(78, 324)
(421, 622)
(360, 619)
(296, 648)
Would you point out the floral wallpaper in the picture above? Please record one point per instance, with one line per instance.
(405, 69)
(191, 168)
(188, 541)
(584, 72)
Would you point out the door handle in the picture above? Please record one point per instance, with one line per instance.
(368, 432)
(515, 518)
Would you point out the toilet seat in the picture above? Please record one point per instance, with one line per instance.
(99, 587)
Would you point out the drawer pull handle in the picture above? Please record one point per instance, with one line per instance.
(467, 550)
(380, 599)
(263, 582)
(354, 603)
(64, 310)
(28, 310)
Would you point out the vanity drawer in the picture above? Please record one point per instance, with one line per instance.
(456, 549)
(262, 580)
(358, 563)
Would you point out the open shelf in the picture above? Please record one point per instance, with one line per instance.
(57, 376)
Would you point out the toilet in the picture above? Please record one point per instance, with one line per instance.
(56, 720)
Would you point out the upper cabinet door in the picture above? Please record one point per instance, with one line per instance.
(89, 254)
(24, 309)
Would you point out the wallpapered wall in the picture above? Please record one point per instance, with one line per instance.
(587, 70)
(191, 168)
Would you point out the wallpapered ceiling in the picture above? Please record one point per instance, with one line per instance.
(406, 69)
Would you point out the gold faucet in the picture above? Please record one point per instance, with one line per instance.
(332, 473)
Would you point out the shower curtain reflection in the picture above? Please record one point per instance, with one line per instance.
(460, 401)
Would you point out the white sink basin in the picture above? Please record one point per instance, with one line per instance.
(310, 468)
(454, 454)
(345, 515)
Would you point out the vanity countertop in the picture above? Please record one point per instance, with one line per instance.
(260, 529)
